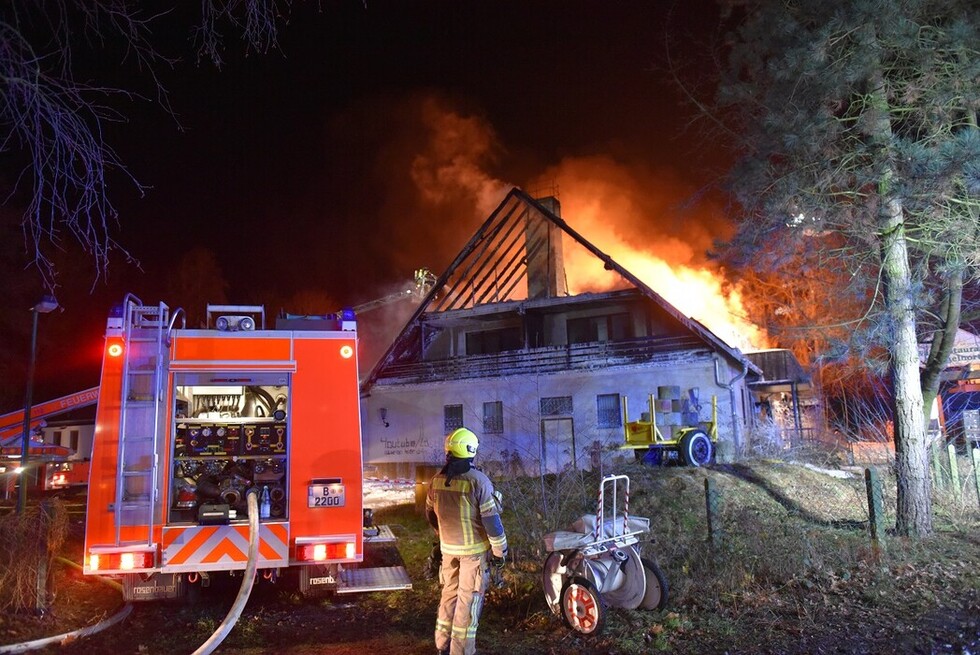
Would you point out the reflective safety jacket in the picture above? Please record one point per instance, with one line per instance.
(466, 514)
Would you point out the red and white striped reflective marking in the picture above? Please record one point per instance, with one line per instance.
(222, 547)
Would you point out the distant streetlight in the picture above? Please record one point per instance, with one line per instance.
(48, 304)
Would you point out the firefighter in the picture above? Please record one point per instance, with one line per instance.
(465, 513)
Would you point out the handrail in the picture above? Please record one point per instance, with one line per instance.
(544, 359)
(173, 319)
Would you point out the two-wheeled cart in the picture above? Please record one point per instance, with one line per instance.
(597, 563)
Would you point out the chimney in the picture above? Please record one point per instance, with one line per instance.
(545, 267)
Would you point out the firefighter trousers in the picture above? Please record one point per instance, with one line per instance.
(464, 581)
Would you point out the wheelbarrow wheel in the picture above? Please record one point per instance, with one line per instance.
(656, 595)
(581, 606)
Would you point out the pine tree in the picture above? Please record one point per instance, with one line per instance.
(858, 119)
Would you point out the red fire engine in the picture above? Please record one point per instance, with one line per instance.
(190, 421)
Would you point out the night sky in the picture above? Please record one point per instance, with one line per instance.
(375, 141)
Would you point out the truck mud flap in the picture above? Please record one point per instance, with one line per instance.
(160, 586)
(317, 580)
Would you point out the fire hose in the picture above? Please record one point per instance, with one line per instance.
(248, 579)
(26, 646)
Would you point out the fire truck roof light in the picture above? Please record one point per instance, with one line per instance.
(346, 352)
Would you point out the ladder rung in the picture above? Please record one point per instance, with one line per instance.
(137, 473)
(137, 438)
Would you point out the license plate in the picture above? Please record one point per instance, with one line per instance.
(326, 495)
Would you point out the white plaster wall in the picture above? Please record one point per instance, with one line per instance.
(414, 413)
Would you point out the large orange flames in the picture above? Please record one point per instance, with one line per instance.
(634, 216)
(637, 215)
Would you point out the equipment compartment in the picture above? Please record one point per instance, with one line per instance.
(227, 440)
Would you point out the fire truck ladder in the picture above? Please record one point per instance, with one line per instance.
(145, 330)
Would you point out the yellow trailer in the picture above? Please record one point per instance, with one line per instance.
(694, 444)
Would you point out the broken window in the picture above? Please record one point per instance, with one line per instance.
(493, 417)
(607, 411)
(452, 417)
(556, 406)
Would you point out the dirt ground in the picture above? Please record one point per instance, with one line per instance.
(916, 598)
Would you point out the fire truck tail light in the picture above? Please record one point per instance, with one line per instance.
(120, 561)
(328, 551)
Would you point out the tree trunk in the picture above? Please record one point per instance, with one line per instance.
(943, 341)
(914, 512)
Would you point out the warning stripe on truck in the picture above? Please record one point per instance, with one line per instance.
(223, 547)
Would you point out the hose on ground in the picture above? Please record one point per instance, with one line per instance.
(248, 579)
(66, 637)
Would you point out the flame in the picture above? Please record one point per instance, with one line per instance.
(438, 169)
(696, 292)
(633, 215)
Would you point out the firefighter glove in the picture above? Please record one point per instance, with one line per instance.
(497, 571)
(434, 562)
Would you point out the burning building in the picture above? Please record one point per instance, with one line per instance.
(503, 345)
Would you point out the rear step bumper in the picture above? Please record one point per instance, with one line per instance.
(382, 578)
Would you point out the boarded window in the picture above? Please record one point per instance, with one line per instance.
(489, 342)
(74, 440)
(452, 417)
(556, 406)
(56, 438)
(493, 417)
(607, 411)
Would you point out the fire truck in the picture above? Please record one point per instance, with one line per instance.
(191, 421)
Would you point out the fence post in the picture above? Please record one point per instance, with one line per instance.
(41, 584)
(872, 484)
(954, 470)
(976, 471)
(937, 467)
(712, 498)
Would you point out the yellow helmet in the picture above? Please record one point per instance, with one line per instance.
(462, 443)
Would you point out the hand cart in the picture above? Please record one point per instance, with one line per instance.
(597, 563)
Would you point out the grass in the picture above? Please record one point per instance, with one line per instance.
(794, 571)
(795, 554)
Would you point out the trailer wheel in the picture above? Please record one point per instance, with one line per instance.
(656, 596)
(581, 606)
(696, 448)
